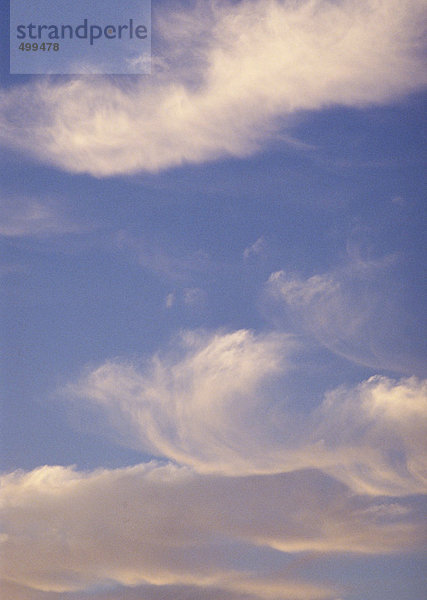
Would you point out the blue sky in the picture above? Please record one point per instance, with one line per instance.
(213, 366)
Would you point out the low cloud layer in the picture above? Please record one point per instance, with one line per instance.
(167, 526)
(230, 78)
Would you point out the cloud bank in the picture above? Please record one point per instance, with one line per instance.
(163, 526)
(230, 77)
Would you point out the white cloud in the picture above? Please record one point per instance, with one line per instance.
(26, 216)
(170, 300)
(356, 311)
(194, 297)
(255, 249)
(168, 263)
(197, 404)
(215, 405)
(379, 431)
(165, 525)
(231, 77)
(299, 292)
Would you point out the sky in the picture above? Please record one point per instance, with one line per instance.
(213, 339)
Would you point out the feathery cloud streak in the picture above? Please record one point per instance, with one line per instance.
(215, 405)
(231, 76)
(356, 310)
(28, 216)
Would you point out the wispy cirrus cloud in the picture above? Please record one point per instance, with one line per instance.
(356, 310)
(231, 77)
(168, 263)
(255, 249)
(219, 404)
(195, 404)
(378, 429)
(24, 216)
